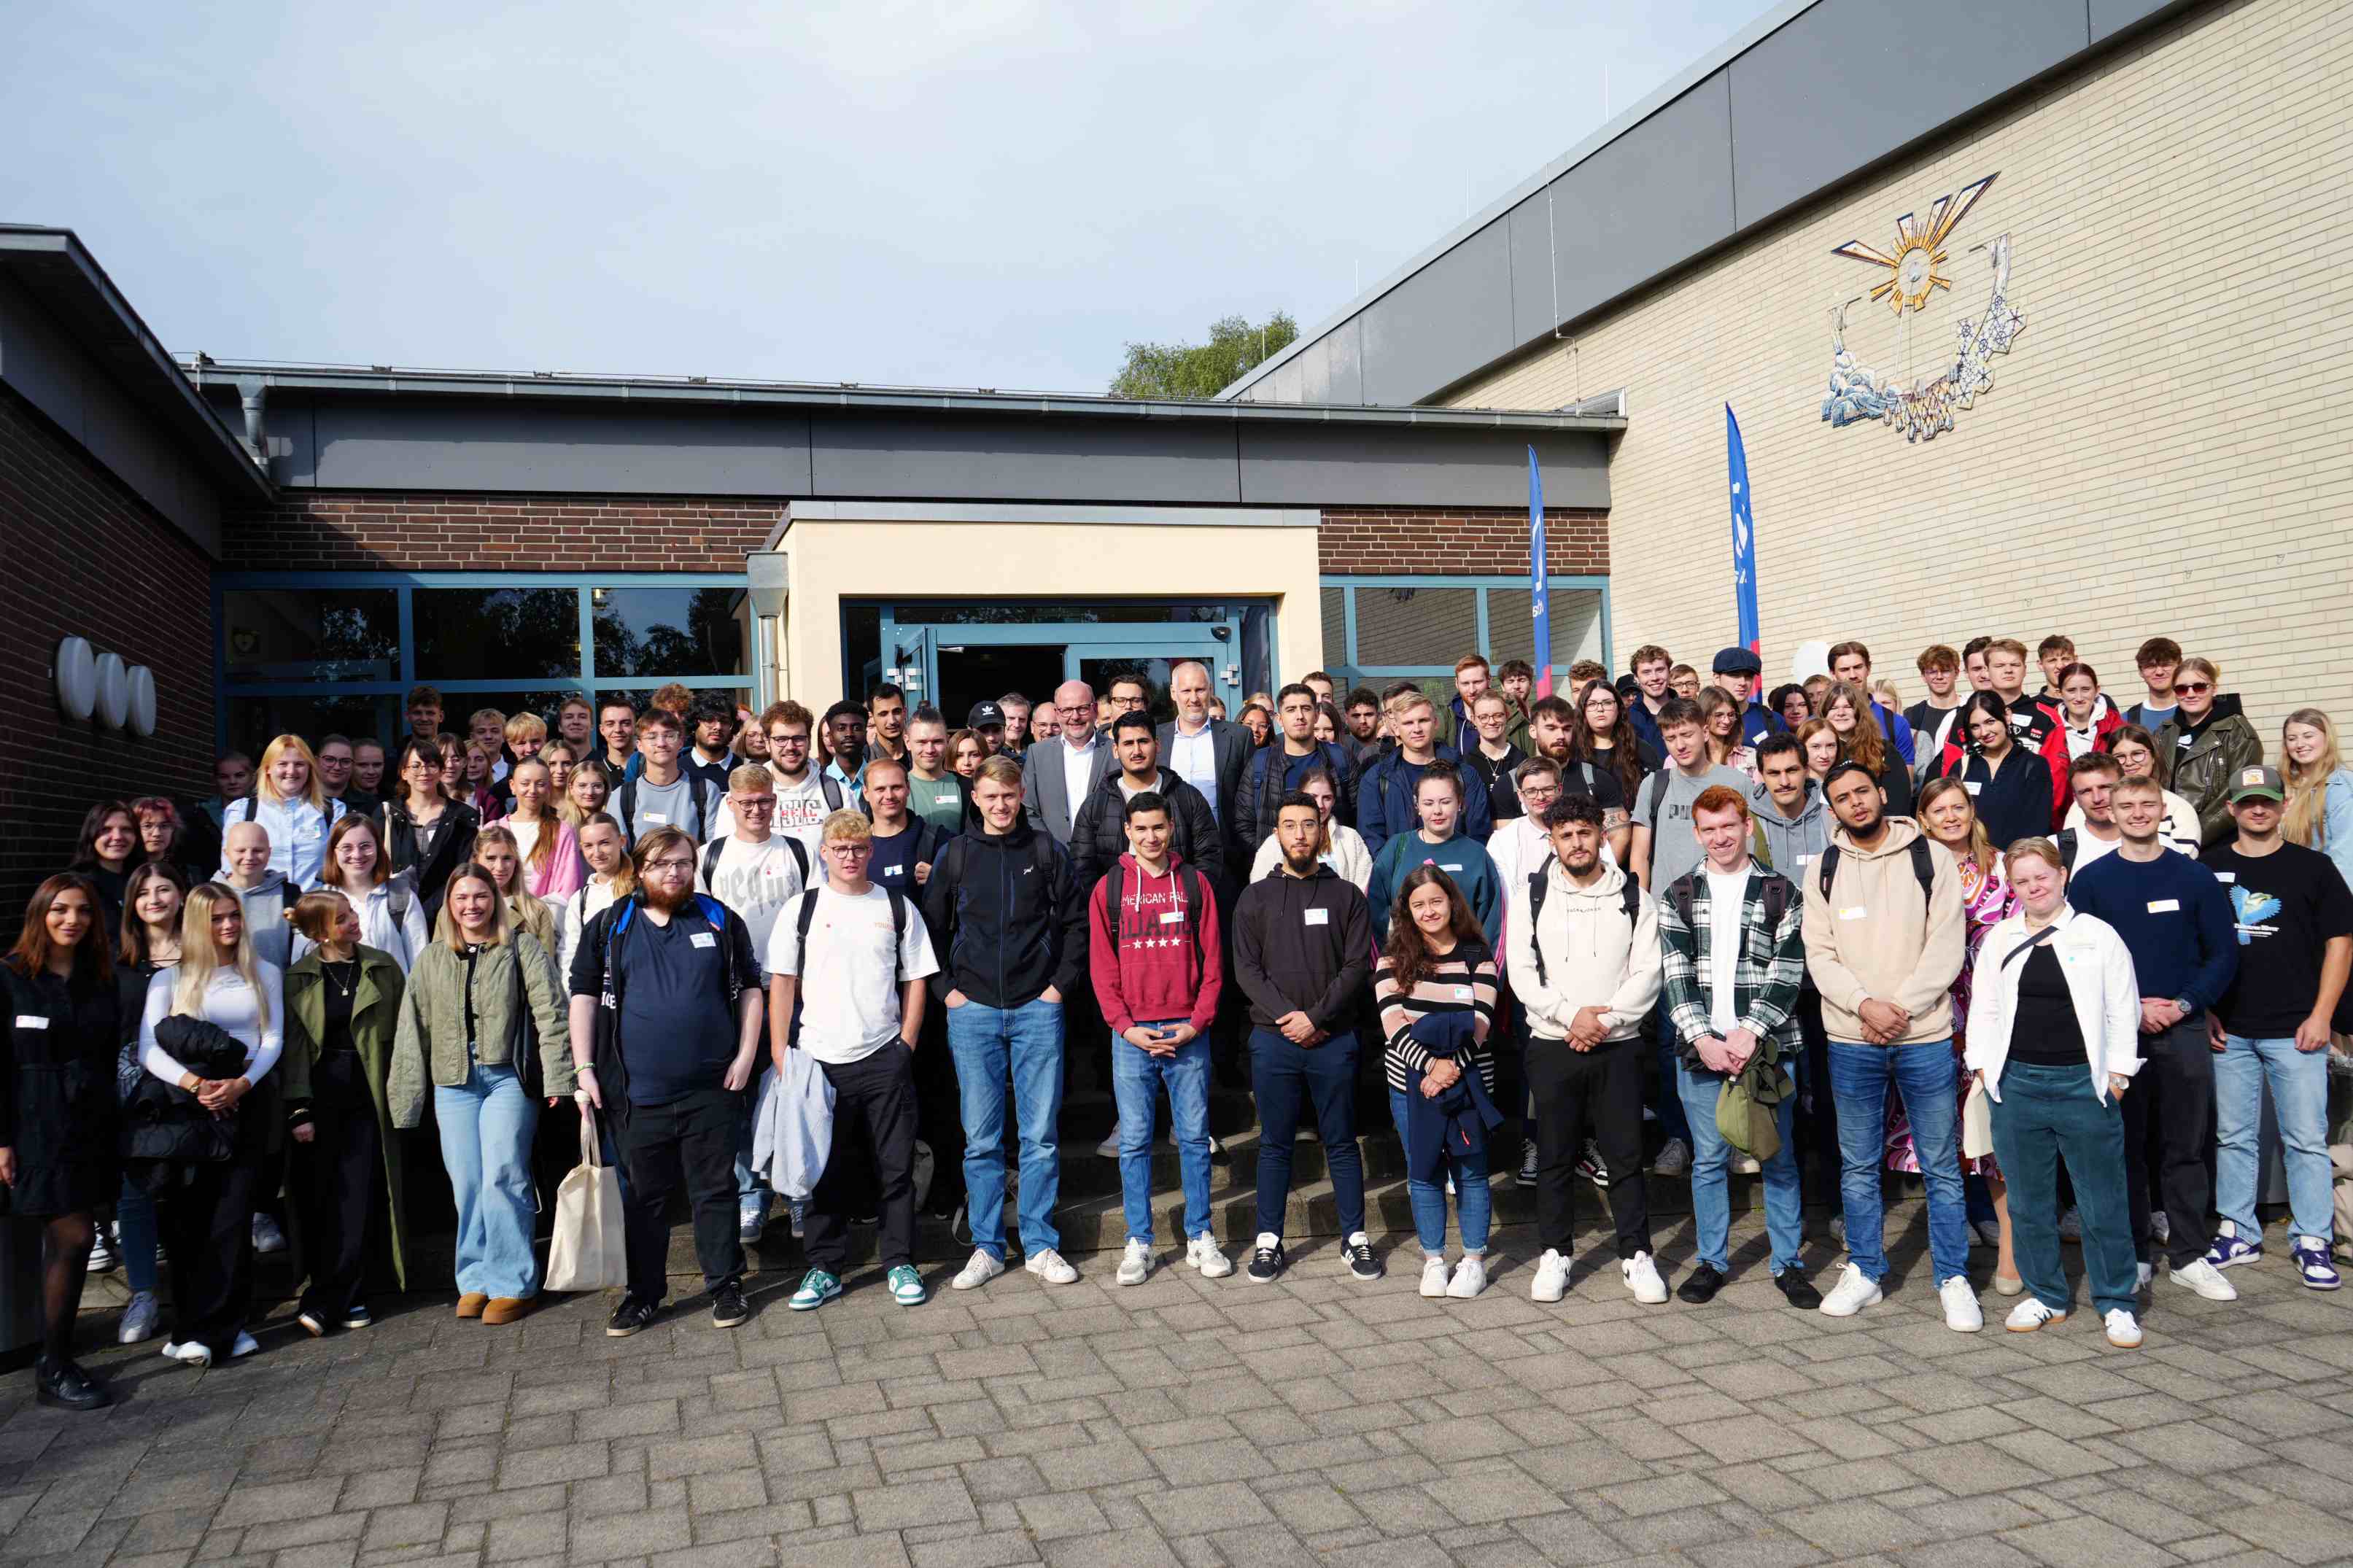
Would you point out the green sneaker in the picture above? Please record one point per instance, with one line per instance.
(906, 1285)
(817, 1288)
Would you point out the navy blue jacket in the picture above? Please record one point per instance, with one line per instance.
(1385, 804)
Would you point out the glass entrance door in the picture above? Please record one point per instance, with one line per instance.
(953, 657)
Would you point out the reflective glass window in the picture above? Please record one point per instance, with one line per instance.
(312, 633)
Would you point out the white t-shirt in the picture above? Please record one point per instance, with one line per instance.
(756, 880)
(2090, 847)
(853, 969)
(1725, 894)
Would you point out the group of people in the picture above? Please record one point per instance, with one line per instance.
(2046, 952)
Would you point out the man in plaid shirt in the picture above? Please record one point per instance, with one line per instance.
(1733, 957)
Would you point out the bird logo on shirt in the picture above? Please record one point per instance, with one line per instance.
(2251, 909)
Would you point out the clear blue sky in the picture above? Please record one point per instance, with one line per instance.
(985, 192)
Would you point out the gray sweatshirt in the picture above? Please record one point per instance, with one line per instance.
(1794, 844)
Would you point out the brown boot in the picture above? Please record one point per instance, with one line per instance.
(505, 1309)
(470, 1304)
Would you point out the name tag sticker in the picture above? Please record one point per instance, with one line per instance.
(704, 938)
(1463, 993)
(2226, 876)
(2165, 906)
(1319, 917)
(1177, 917)
(1854, 912)
(1455, 866)
(1805, 859)
(1972, 786)
(656, 817)
(28, 1021)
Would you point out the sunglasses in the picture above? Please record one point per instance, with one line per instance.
(2192, 687)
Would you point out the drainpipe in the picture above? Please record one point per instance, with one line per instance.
(252, 392)
(770, 574)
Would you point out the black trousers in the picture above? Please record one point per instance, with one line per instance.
(877, 1097)
(2172, 1094)
(1816, 1123)
(1597, 1094)
(338, 1179)
(692, 1137)
(206, 1226)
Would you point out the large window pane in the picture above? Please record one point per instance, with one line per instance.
(312, 633)
(1334, 607)
(476, 633)
(1575, 626)
(255, 722)
(668, 632)
(459, 707)
(1416, 626)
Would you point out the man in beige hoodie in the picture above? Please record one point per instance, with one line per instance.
(1884, 941)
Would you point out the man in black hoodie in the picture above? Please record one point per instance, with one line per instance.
(1302, 951)
(1009, 923)
(1099, 834)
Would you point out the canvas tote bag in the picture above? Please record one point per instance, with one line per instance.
(586, 1251)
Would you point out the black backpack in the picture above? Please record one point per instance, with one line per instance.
(1923, 866)
(711, 851)
(898, 925)
(1195, 892)
(1539, 884)
(1684, 892)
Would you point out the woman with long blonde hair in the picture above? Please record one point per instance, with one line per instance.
(497, 851)
(292, 807)
(220, 989)
(550, 846)
(586, 794)
(2319, 814)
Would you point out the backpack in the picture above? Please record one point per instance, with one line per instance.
(1923, 866)
(1683, 893)
(898, 924)
(626, 800)
(2067, 842)
(710, 853)
(1539, 884)
(1195, 890)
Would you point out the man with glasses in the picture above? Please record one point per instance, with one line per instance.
(666, 1010)
(756, 873)
(805, 796)
(854, 957)
(1127, 695)
(1056, 780)
(335, 771)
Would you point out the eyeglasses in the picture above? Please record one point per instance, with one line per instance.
(851, 848)
(673, 863)
(2192, 687)
(747, 805)
(776, 740)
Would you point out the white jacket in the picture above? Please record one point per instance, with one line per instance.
(1349, 857)
(592, 899)
(792, 1126)
(2099, 971)
(1593, 956)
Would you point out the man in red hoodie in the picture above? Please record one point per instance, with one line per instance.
(1153, 952)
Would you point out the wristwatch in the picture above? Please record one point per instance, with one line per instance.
(2184, 1004)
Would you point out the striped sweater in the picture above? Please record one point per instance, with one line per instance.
(1462, 982)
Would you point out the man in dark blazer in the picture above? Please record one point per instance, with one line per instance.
(1058, 775)
(1215, 768)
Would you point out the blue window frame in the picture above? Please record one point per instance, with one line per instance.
(1414, 625)
(344, 647)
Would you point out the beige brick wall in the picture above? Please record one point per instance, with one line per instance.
(2165, 450)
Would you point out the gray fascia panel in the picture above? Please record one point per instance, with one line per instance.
(467, 445)
(1288, 466)
(1023, 460)
(1458, 308)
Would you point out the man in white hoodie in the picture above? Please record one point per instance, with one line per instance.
(1584, 960)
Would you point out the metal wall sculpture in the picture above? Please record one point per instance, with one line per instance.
(1858, 393)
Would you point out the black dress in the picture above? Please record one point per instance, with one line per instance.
(59, 1110)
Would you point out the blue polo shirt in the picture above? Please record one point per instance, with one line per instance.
(678, 1030)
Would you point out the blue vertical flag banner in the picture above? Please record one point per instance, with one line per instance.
(1539, 590)
(1744, 538)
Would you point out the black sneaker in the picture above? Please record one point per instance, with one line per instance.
(1590, 1167)
(728, 1306)
(1700, 1288)
(1798, 1289)
(65, 1386)
(1266, 1262)
(359, 1317)
(629, 1316)
(1361, 1261)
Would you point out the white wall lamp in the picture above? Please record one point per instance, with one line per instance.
(102, 686)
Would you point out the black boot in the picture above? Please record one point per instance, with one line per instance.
(66, 1386)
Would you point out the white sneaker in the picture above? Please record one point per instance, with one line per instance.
(1853, 1292)
(1050, 1265)
(138, 1319)
(101, 1254)
(2031, 1314)
(1433, 1278)
(2206, 1280)
(1745, 1165)
(1641, 1277)
(189, 1355)
(1134, 1264)
(977, 1270)
(1109, 1148)
(1838, 1230)
(1470, 1278)
(2124, 1330)
(2146, 1272)
(267, 1238)
(245, 1344)
(2160, 1227)
(1204, 1254)
(1551, 1282)
(1962, 1314)
(1674, 1159)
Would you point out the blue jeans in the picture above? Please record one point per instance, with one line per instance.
(1136, 1078)
(1320, 1080)
(1711, 1193)
(2047, 1114)
(2299, 1084)
(1474, 1203)
(486, 1126)
(751, 1192)
(134, 1216)
(1924, 1075)
(985, 1041)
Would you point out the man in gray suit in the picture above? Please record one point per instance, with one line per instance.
(1058, 775)
(1210, 754)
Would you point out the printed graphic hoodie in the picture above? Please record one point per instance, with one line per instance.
(1155, 955)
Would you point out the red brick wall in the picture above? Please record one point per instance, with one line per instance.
(87, 558)
(1478, 540)
(309, 530)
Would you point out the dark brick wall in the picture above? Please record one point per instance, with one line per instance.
(309, 530)
(1474, 540)
(85, 557)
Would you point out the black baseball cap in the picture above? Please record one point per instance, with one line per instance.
(983, 715)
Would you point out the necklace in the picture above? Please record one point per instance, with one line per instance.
(342, 988)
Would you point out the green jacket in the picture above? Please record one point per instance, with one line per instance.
(376, 1015)
(2201, 773)
(431, 1045)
